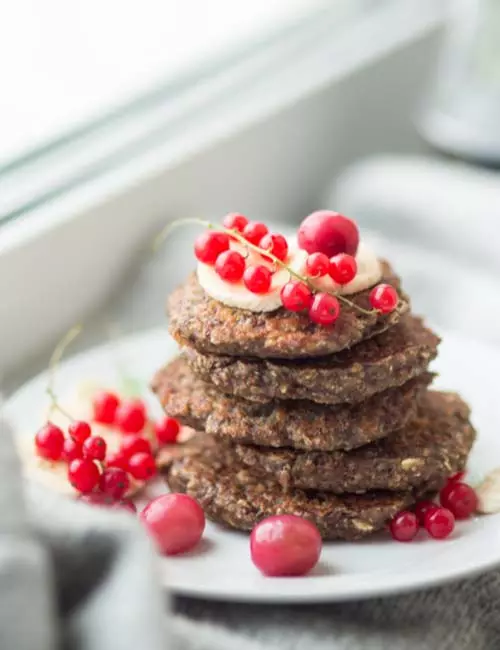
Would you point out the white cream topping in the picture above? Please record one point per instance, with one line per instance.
(237, 295)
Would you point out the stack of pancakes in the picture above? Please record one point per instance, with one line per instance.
(335, 424)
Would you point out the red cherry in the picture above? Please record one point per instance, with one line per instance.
(234, 221)
(257, 279)
(142, 466)
(79, 430)
(71, 450)
(230, 266)
(384, 298)
(404, 526)
(254, 231)
(117, 459)
(114, 482)
(439, 523)
(296, 296)
(49, 442)
(275, 244)
(94, 448)
(422, 508)
(328, 232)
(325, 309)
(175, 521)
(460, 498)
(133, 444)
(343, 268)
(167, 429)
(285, 545)
(105, 501)
(317, 265)
(458, 476)
(83, 474)
(209, 245)
(105, 405)
(131, 416)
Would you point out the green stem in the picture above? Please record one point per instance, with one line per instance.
(55, 359)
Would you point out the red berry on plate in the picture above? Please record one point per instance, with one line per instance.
(71, 450)
(230, 266)
(142, 466)
(459, 476)
(79, 430)
(343, 268)
(460, 498)
(175, 521)
(49, 442)
(105, 405)
(234, 221)
(131, 416)
(254, 231)
(325, 309)
(296, 296)
(114, 482)
(285, 545)
(275, 244)
(209, 245)
(404, 526)
(328, 232)
(384, 298)
(167, 429)
(317, 265)
(133, 444)
(83, 474)
(94, 448)
(422, 508)
(117, 459)
(439, 523)
(257, 279)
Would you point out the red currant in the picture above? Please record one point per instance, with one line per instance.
(142, 466)
(79, 430)
(254, 231)
(105, 405)
(235, 221)
(117, 459)
(83, 474)
(422, 508)
(296, 296)
(317, 265)
(71, 450)
(230, 266)
(175, 521)
(328, 232)
(257, 279)
(49, 442)
(133, 444)
(209, 245)
(460, 498)
(114, 482)
(94, 448)
(384, 298)
(343, 268)
(459, 476)
(167, 429)
(275, 244)
(285, 545)
(404, 526)
(131, 416)
(325, 309)
(439, 523)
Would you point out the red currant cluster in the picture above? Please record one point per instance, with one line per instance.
(95, 471)
(324, 231)
(458, 501)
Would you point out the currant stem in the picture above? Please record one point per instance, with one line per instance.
(160, 238)
(55, 359)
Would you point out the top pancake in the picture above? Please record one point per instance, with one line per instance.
(209, 326)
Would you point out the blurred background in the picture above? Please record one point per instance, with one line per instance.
(116, 117)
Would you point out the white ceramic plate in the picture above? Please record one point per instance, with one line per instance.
(221, 568)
